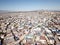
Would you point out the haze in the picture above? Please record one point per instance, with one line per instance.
(28, 5)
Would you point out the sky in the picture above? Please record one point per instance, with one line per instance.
(28, 5)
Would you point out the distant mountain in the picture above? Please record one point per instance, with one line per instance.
(6, 11)
(3, 11)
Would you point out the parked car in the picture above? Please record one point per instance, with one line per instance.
(58, 34)
(48, 34)
(53, 31)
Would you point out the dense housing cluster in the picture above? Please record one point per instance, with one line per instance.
(30, 28)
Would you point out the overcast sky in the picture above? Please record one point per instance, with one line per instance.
(28, 5)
